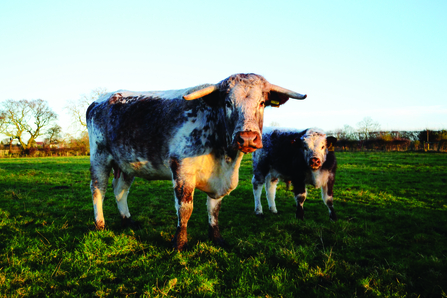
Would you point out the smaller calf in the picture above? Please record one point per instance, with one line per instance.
(301, 157)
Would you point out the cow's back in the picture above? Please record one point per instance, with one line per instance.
(138, 129)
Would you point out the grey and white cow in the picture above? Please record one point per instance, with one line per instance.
(300, 157)
(195, 137)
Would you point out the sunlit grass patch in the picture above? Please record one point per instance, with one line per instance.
(390, 239)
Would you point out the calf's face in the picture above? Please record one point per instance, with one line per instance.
(314, 149)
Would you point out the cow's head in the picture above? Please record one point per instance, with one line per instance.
(242, 99)
(315, 147)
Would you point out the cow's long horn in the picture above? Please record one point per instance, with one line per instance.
(287, 92)
(201, 93)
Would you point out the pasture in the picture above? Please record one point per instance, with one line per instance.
(390, 239)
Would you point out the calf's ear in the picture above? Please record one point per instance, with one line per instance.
(331, 141)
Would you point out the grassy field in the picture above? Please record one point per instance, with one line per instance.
(390, 239)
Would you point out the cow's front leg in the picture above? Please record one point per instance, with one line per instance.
(213, 206)
(270, 189)
(184, 185)
(300, 196)
(327, 196)
(184, 193)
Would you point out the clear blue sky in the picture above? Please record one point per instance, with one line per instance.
(381, 59)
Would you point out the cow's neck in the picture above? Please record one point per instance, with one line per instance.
(218, 174)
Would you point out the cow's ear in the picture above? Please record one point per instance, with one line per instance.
(213, 99)
(276, 99)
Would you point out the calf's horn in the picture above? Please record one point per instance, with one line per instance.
(287, 92)
(201, 93)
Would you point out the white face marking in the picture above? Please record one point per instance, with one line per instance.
(249, 106)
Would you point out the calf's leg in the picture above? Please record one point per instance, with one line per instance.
(258, 184)
(270, 189)
(300, 196)
(327, 196)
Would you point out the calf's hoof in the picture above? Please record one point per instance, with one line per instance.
(259, 215)
(332, 215)
(300, 214)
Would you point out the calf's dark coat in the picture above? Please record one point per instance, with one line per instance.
(301, 157)
(195, 137)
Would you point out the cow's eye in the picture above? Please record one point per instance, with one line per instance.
(322, 147)
(228, 104)
(262, 104)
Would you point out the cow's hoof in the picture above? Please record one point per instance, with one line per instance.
(128, 222)
(259, 215)
(182, 247)
(100, 225)
(220, 242)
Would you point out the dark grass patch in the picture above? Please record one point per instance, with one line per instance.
(390, 240)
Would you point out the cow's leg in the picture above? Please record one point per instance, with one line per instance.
(258, 184)
(99, 172)
(327, 196)
(213, 206)
(300, 196)
(184, 185)
(121, 185)
(270, 188)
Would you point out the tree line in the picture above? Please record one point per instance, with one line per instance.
(369, 136)
(24, 121)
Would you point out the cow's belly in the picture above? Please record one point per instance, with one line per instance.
(145, 169)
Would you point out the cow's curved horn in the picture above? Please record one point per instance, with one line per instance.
(287, 92)
(201, 93)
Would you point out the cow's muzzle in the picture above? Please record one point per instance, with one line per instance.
(315, 163)
(248, 141)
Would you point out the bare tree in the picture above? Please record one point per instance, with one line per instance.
(53, 135)
(366, 127)
(77, 108)
(25, 118)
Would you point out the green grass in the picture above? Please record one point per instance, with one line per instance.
(390, 239)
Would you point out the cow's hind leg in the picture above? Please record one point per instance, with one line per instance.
(121, 185)
(258, 185)
(99, 172)
(300, 196)
(270, 189)
(213, 206)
